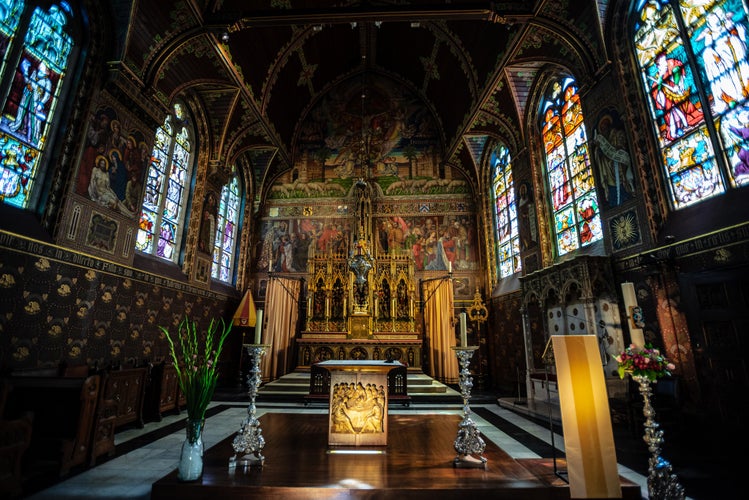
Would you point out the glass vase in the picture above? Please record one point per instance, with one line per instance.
(191, 457)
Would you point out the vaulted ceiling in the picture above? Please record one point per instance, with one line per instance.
(258, 67)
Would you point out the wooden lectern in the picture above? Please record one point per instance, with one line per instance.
(357, 414)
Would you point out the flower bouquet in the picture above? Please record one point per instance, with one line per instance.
(643, 362)
(196, 368)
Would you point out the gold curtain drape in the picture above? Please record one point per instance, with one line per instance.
(281, 314)
(440, 329)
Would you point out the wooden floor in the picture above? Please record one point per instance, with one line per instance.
(416, 463)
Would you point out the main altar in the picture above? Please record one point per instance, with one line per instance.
(361, 302)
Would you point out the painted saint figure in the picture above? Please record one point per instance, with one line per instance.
(37, 91)
(671, 92)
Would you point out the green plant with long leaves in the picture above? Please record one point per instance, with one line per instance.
(197, 367)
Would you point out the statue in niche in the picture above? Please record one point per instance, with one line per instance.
(360, 264)
(337, 309)
(384, 300)
(402, 300)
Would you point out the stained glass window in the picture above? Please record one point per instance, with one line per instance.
(695, 72)
(225, 246)
(162, 214)
(505, 212)
(35, 73)
(576, 218)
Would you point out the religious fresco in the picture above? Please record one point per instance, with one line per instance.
(390, 131)
(611, 154)
(114, 162)
(436, 242)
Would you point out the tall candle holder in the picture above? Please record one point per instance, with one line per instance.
(662, 482)
(249, 440)
(468, 443)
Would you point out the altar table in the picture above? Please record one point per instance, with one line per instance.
(357, 414)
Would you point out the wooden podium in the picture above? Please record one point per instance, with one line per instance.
(357, 414)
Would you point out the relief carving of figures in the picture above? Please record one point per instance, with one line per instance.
(357, 409)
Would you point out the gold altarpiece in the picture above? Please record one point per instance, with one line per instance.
(361, 303)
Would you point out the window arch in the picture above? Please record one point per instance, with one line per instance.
(574, 203)
(163, 210)
(695, 73)
(225, 246)
(505, 212)
(35, 47)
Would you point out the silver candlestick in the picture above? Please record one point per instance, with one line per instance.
(469, 442)
(249, 440)
(662, 483)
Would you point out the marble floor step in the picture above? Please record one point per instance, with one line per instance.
(297, 383)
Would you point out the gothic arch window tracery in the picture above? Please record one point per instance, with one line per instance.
(225, 246)
(35, 51)
(505, 212)
(576, 220)
(164, 203)
(695, 75)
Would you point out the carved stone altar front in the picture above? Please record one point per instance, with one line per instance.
(358, 402)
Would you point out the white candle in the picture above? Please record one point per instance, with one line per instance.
(630, 298)
(259, 326)
(463, 335)
(630, 302)
(449, 266)
(270, 266)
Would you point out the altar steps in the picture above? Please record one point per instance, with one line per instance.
(295, 385)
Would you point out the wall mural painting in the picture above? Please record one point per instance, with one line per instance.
(114, 162)
(389, 130)
(611, 154)
(434, 241)
(286, 244)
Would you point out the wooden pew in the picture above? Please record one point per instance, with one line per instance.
(162, 391)
(64, 417)
(126, 387)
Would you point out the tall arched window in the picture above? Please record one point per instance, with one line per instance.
(225, 247)
(695, 72)
(170, 171)
(575, 211)
(35, 48)
(505, 212)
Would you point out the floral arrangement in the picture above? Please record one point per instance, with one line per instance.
(196, 370)
(643, 362)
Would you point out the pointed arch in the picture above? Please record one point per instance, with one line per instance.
(505, 213)
(571, 194)
(162, 217)
(226, 249)
(36, 48)
(694, 64)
